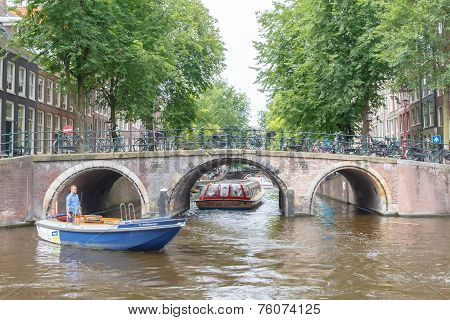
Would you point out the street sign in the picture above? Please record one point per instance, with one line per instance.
(436, 139)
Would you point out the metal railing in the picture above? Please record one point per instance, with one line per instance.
(28, 143)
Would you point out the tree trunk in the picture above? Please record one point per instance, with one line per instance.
(113, 119)
(365, 130)
(80, 107)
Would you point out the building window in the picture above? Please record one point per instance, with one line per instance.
(10, 76)
(22, 81)
(40, 132)
(71, 123)
(64, 122)
(30, 128)
(49, 92)
(49, 132)
(426, 115)
(9, 112)
(32, 86)
(58, 96)
(64, 102)
(21, 125)
(57, 123)
(440, 117)
(431, 107)
(41, 89)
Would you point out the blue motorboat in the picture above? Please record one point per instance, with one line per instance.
(112, 234)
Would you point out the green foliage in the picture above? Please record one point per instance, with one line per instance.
(222, 106)
(320, 61)
(139, 54)
(196, 54)
(415, 41)
(67, 38)
(135, 62)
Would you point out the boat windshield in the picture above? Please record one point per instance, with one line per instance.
(224, 190)
(236, 190)
(212, 190)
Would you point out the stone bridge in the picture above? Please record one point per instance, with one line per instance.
(33, 186)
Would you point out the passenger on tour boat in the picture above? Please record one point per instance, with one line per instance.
(72, 203)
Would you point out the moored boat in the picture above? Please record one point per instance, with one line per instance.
(112, 234)
(231, 195)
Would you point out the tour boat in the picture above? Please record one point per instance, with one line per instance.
(96, 232)
(245, 194)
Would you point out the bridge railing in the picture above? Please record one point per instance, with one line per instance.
(45, 142)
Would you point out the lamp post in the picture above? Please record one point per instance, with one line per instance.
(404, 97)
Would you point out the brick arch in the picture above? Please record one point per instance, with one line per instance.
(365, 172)
(59, 183)
(179, 192)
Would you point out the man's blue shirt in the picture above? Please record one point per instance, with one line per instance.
(72, 202)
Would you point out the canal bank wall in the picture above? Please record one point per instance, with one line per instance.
(337, 187)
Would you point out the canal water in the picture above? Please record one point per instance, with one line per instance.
(341, 253)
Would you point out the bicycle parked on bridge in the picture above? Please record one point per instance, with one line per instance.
(111, 143)
(67, 141)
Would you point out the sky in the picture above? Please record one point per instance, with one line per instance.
(238, 27)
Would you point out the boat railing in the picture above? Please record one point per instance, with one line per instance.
(129, 213)
(123, 211)
(130, 209)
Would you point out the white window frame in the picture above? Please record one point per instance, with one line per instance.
(11, 103)
(41, 133)
(22, 82)
(31, 120)
(64, 105)
(41, 99)
(50, 89)
(10, 66)
(21, 135)
(58, 97)
(57, 122)
(32, 86)
(64, 122)
(49, 131)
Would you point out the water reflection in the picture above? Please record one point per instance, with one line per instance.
(340, 253)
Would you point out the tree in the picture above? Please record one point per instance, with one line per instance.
(196, 54)
(320, 62)
(138, 55)
(415, 41)
(416, 46)
(131, 72)
(67, 37)
(222, 106)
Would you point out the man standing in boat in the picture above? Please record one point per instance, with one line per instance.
(72, 203)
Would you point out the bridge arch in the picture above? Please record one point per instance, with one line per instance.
(179, 194)
(105, 173)
(371, 191)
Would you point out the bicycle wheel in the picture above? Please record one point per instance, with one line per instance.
(57, 147)
(138, 145)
